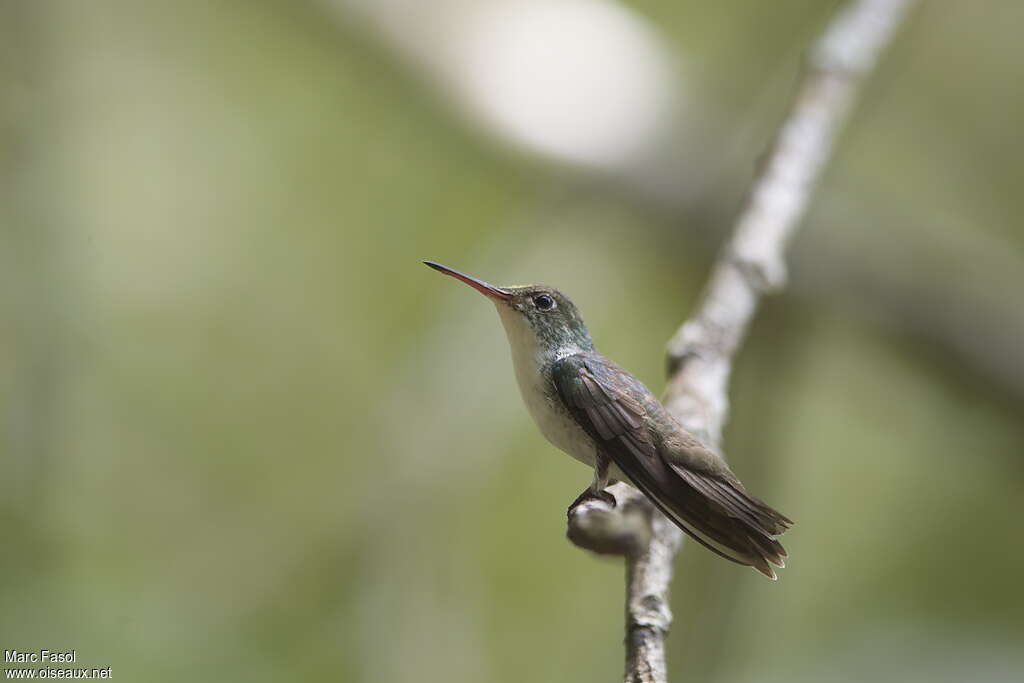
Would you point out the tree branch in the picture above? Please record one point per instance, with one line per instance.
(700, 354)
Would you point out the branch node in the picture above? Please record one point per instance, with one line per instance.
(688, 343)
(651, 611)
(766, 274)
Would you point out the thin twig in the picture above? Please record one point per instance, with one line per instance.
(700, 354)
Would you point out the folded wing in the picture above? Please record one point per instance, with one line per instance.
(691, 485)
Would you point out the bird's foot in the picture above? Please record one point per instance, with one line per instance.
(589, 494)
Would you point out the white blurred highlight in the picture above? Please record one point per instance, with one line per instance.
(582, 81)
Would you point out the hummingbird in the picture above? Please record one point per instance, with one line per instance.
(590, 408)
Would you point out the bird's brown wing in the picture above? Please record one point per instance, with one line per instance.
(689, 484)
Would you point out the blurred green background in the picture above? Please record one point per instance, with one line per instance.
(245, 435)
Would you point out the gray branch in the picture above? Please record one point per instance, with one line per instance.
(700, 354)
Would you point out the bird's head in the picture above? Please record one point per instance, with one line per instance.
(532, 313)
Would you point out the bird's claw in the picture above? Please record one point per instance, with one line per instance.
(588, 494)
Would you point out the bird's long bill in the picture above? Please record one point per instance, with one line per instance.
(484, 288)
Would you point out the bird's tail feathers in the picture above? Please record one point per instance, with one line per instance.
(721, 516)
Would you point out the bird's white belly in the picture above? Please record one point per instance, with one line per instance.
(551, 417)
(560, 428)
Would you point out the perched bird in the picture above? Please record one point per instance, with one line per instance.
(598, 413)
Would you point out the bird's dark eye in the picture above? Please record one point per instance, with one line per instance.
(544, 302)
